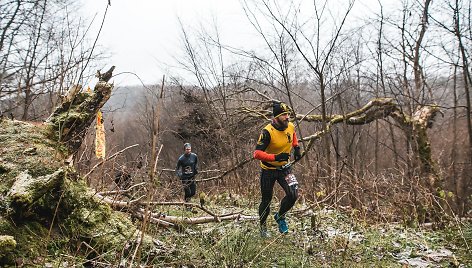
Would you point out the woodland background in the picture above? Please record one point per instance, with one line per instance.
(416, 53)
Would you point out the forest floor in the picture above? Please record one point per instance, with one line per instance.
(320, 238)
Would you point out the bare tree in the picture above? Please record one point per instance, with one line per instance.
(43, 46)
(316, 52)
(454, 45)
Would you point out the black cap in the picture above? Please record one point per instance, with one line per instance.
(187, 145)
(280, 108)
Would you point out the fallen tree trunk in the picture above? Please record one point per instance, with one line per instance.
(41, 192)
(137, 207)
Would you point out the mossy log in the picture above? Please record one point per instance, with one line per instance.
(43, 201)
(415, 128)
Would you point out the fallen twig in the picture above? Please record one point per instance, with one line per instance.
(117, 203)
(186, 204)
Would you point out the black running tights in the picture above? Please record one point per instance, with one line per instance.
(267, 181)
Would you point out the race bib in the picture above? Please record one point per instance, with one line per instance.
(291, 179)
(188, 170)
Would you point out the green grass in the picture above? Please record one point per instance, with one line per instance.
(326, 238)
(338, 241)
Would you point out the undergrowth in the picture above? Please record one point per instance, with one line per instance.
(336, 240)
(319, 238)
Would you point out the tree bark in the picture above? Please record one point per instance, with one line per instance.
(69, 122)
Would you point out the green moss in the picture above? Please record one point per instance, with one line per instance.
(25, 147)
(337, 118)
(85, 218)
(7, 244)
(29, 237)
(27, 189)
(62, 123)
(27, 153)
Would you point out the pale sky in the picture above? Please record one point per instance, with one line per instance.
(142, 35)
